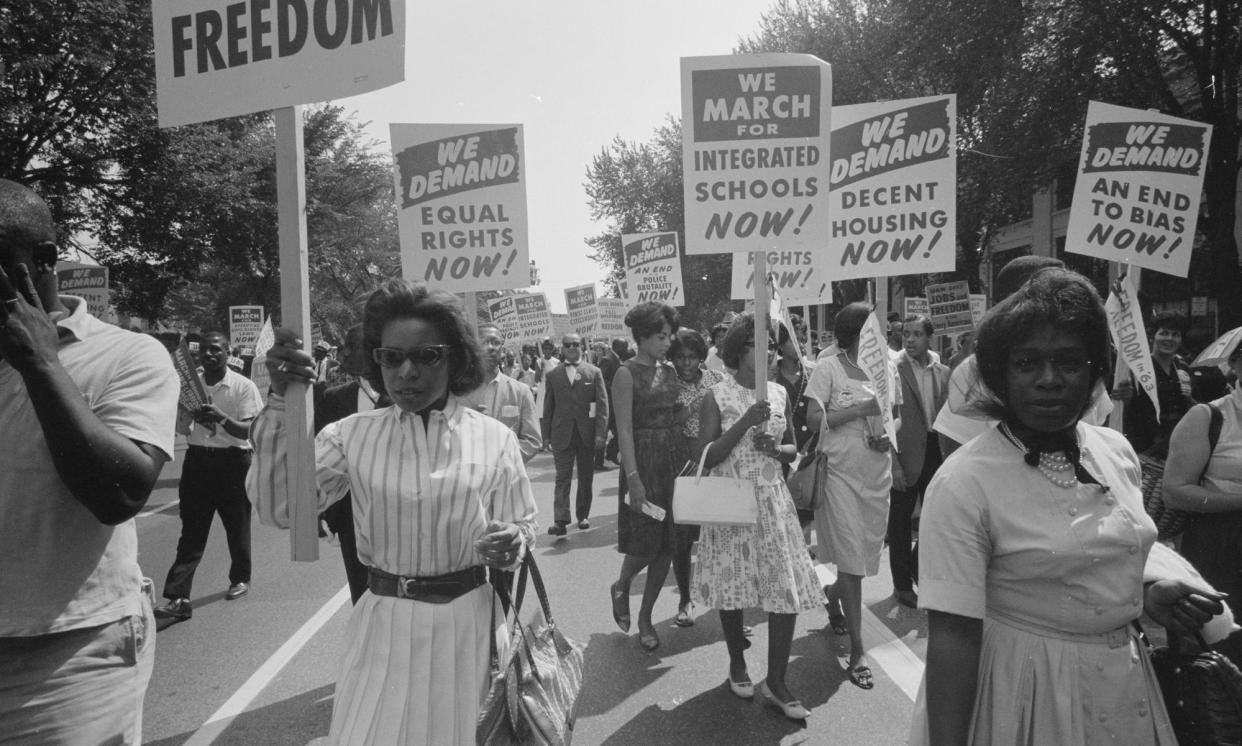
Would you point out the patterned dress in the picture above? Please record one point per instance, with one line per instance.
(660, 453)
(765, 565)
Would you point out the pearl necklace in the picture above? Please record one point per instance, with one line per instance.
(1051, 465)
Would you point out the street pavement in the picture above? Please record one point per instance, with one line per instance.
(260, 670)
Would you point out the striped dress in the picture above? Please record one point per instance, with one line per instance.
(412, 672)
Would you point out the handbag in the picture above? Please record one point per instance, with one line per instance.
(721, 501)
(804, 481)
(1171, 522)
(1202, 693)
(534, 691)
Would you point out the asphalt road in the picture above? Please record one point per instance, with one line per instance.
(260, 670)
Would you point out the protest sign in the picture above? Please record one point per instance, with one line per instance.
(653, 268)
(88, 282)
(978, 306)
(949, 305)
(892, 193)
(523, 319)
(916, 307)
(874, 361)
(623, 289)
(1125, 322)
(245, 323)
(754, 152)
(193, 396)
(461, 205)
(801, 277)
(258, 368)
(612, 317)
(583, 311)
(1140, 177)
(222, 58)
(561, 326)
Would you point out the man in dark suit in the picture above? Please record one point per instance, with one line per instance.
(924, 388)
(575, 423)
(334, 404)
(609, 364)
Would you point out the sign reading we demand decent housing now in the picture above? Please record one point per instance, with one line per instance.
(222, 58)
(1140, 178)
(461, 199)
(755, 152)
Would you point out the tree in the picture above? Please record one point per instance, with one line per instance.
(637, 188)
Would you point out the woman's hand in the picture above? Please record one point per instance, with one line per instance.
(1181, 607)
(757, 414)
(868, 407)
(766, 444)
(500, 545)
(288, 363)
(637, 494)
(879, 443)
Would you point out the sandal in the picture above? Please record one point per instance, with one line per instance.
(860, 676)
(620, 607)
(683, 618)
(649, 640)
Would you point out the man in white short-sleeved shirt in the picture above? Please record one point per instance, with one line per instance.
(88, 413)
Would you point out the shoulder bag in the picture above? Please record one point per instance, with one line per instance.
(807, 478)
(723, 501)
(1171, 522)
(534, 691)
(1202, 693)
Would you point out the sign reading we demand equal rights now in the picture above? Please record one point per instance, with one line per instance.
(755, 152)
(223, 58)
(653, 268)
(1140, 178)
(461, 199)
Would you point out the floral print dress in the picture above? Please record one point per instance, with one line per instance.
(765, 565)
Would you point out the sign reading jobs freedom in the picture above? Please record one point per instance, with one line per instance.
(755, 152)
(893, 188)
(461, 201)
(1139, 181)
(653, 268)
(223, 58)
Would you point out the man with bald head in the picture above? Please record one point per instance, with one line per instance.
(575, 422)
(88, 413)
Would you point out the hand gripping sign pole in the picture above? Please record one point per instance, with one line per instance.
(295, 315)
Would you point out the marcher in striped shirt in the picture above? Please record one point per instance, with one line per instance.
(439, 490)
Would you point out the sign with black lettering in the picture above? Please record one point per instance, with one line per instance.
(612, 317)
(653, 268)
(223, 58)
(245, 324)
(1140, 177)
(88, 282)
(583, 312)
(800, 277)
(461, 205)
(755, 132)
(523, 319)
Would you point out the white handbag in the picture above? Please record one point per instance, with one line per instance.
(721, 501)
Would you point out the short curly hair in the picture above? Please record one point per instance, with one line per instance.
(401, 299)
(688, 340)
(740, 334)
(1055, 298)
(649, 318)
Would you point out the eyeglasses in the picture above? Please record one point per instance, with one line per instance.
(571, 344)
(428, 356)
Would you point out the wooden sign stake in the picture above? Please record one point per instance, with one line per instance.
(761, 325)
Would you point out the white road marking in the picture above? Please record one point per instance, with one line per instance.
(901, 663)
(241, 699)
(160, 509)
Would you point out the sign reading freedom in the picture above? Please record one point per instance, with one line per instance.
(223, 58)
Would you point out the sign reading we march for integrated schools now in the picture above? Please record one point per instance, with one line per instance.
(755, 152)
(222, 58)
(461, 205)
(582, 308)
(522, 318)
(893, 188)
(245, 324)
(1140, 177)
(653, 268)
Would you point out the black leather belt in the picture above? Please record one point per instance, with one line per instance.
(219, 451)
(437, 589)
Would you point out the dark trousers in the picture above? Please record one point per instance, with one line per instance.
(212, 481)
(902, 557)
(340, 519)
(582, 451)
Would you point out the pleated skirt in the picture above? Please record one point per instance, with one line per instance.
(413, 672)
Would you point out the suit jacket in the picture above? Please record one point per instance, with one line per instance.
(510, 401)
(912, 437)
(567, 408)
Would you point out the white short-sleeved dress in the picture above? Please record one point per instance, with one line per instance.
(1056, 574)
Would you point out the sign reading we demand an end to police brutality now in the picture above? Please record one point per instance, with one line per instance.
(755, 152)
(893, 188)
(223, 58)
(461, 205)
(1136, 200)
(653, 268)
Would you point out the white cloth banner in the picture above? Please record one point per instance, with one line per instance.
(1125, 321)
(874, 360)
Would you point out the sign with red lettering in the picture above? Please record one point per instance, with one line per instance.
(461, 205)
(653, 268)
(755, 152)
(223, 58)
(892, 194)
(1140, 177)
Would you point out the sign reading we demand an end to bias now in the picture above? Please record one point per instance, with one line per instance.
(653, 268)
(1140, 178)
(461, 205)
(755, 152)
(223, 58)
(893, 188)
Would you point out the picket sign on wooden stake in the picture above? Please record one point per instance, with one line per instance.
(761, 325)
(302, 498)
(881, 303)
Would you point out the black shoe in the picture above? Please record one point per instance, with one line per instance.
(177, 609)
(236, 591)
(584, 524)
(557, 529)
(907, 598)
(601, 466)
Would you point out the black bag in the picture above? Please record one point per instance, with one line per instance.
(1170, 522)
(1203, 694)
